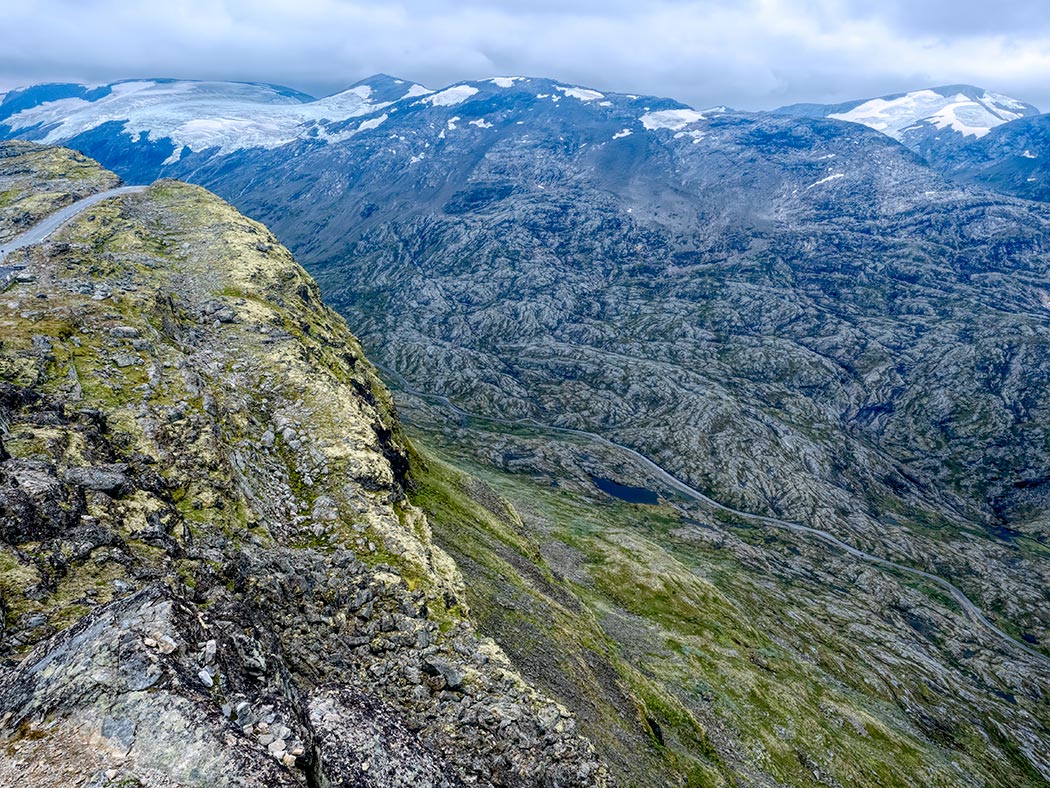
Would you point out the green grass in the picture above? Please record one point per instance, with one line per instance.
(718, 661)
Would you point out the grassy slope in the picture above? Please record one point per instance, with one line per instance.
(685, 667)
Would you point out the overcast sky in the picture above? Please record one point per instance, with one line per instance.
(750, 54)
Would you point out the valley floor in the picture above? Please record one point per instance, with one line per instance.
(712, 649)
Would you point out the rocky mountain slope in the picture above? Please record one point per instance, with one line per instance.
(795, 315)
(1011, 160)
(209, 570)
(792, 314)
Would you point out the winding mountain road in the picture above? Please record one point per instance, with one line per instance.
(974, 612)
(40, 232)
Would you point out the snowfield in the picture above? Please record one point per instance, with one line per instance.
(507, 82)
(450, 97)
(973, 117)
(198, 116)
(674, 119)
(583, 94)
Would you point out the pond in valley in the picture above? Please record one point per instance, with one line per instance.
(625, 492)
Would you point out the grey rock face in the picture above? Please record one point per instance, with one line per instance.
(103, 686)
(366, 746)
(452, 676)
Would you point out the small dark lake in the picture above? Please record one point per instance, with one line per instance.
(625, 492)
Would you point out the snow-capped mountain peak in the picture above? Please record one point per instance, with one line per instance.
(970, 111)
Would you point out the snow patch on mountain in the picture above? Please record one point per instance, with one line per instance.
(372, 123)
(176, 156)
(963, 117)
(828, 179)
(695, 134)
(966, 114)
(621, 134)
(451, 96)
(674, 119)
(583, 94)
(506, 82)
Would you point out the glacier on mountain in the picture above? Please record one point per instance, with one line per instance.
(969, 115)
(197, 115)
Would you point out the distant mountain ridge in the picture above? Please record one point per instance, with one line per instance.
(192, 116)
(151, 127)
(165, 121)
(970, 110)
(1014, 159)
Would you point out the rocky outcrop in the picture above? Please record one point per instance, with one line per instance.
(36, 181)
(209, 569)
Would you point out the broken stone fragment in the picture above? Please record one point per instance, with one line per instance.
(104, 478)
(438, 667)
(125, 332)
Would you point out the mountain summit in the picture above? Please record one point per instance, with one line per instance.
(968, 110)
(933, 122)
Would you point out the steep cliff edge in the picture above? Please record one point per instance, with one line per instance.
(210, 572)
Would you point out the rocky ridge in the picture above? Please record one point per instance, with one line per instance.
(37, 181)
(209, 570)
